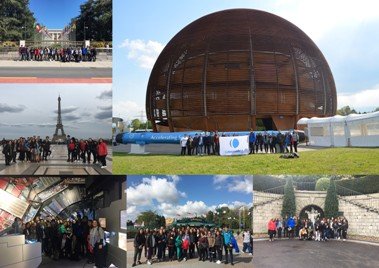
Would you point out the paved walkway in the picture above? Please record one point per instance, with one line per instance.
(299, 254)
(56, 64)
(56, 165)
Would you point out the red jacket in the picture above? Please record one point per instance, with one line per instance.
(102, 149)
(271, 225)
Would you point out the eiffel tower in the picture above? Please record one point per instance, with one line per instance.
(56, 137)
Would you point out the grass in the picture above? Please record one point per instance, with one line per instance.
(330, 161)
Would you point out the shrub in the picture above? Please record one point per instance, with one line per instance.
(322, 184)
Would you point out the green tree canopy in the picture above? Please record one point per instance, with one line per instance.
(16, 20)
(135, 124)
(151, 219)
(346, 110)
(289, 202)
(331, 201)
(95, 21)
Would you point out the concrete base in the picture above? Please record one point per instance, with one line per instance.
(138, 149)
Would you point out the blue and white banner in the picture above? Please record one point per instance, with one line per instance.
(237, 145)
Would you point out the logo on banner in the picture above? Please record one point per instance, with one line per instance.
(234, 143)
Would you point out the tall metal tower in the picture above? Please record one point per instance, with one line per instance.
(62, 137)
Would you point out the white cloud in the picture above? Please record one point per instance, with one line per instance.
(241, 184)
(319, 18)
(162, 190)
(143, 52)
(128, 110)
(364, 100)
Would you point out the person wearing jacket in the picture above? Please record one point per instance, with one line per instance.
(228, 246)
(178, 245)
(185, 245)
(102, 152)
(171, 246)
(203, 246)
(7, 151)
(219, 243)
(251, 142)
(150, 245)
(291, 223)
(212, 248)
(97, 241)
(139, 242)
(246, 242)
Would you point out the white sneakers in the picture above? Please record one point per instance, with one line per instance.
(148, 262)
(103, 166)
(218, 262)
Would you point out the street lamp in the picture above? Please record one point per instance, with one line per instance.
(85, 27)
(24, 28)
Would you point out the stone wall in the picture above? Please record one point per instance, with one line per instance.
(361, 221)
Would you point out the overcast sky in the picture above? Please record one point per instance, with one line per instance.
(30, 109)
(172, 196)
(347, 33)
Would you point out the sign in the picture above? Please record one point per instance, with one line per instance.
(237, 145)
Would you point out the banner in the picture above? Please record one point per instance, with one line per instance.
(237, 145)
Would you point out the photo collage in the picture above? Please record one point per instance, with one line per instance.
(190, 134)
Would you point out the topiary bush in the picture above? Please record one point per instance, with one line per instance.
(322, 184)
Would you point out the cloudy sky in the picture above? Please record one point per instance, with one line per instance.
(31, 109)
(346, 32)
(179, 195)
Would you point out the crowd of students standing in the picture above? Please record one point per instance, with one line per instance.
(322, 229)
(73, 239)
(35, 149)
(68, 54)
(181, 244)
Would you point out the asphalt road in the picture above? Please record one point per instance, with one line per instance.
(56, 72)
(311, 254)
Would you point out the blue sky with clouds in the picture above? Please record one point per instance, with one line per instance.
(173, 195)
(55, 14)
(346, 32)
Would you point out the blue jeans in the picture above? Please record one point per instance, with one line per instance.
(247, 246)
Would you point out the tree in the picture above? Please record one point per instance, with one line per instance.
(289, 202)
(94, 21)
(346, 110)
(135, 124)
(16, 20)
(151, 219)
(331, 201)
(210, 216)
(322, 184)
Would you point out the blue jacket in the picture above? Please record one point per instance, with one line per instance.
(291, 223)
(227, 237)
(252, 137)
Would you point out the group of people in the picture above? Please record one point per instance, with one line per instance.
(82, 150)
(322, 229)
(200, 144)
(271, 143)
(209, 143)
(32, 149)
(73, 239)
(185, 243)
(68, 54)
(35, 149)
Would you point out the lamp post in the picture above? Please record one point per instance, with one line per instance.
(85, 27)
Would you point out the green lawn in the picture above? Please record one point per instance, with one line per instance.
(328, 161)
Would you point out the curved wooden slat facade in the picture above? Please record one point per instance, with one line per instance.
(228, 69)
